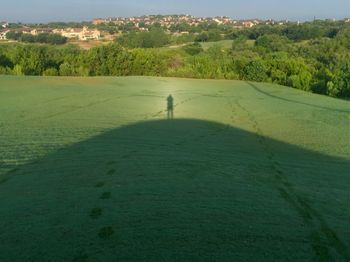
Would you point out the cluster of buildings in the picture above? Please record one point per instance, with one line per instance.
(81, 34)
(140, 23)
(164, 21)
(143, 22)
(3, 30)
(4, 24)
(3, 35)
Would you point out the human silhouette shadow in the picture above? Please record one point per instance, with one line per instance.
(170, 107)
(185, 190)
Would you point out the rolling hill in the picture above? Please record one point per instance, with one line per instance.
(91, 169)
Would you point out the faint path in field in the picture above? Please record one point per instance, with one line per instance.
(91, 104)
(294, 101)
(49, 101)
(322, 236)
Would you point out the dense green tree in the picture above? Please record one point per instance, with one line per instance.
(239, 44)
(301, 81)
(193, 49)
(12, 35)
(255, 32)
(214, 35)
(322, 80)
(180, 27)
(203, 37)
(255, 71)
(53, 39)
(184, 38)
(340, 86)
(304, 31)
(28, 38)
(343, 38)
(51, 72)
(148, 62)
(5, 70)
(17, 70)
(216, 52)
(278, 76)
(47, 38)
(273, 43)
(156, 37)
(31, 59)
(5, 61)
(109, 60)
(66, 69)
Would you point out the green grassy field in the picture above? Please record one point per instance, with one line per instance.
(91, 170)
(224, 44)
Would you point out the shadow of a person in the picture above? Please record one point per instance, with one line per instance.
(170, 110)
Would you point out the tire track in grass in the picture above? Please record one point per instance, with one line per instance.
(71, 110)
(270, 94)
(49, 101)
(322, 237)
(91, 104)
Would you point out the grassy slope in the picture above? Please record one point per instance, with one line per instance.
(246, 171)
(224, 44)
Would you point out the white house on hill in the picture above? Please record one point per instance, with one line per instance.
(3, 34)
(78, 33)
(4, 24)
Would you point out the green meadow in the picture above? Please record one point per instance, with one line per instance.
(224, 44)
(91, 169)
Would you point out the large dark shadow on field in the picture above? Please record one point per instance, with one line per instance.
(185, 190)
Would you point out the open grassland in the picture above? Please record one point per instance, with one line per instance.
(91, 170)
(86, 45)
(224, 44)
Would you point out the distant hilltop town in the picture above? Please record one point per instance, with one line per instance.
(110, 28)
(142, 22)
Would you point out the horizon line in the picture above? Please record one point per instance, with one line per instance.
(234, 19)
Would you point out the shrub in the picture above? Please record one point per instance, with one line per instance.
(50, 72)
(255, 71)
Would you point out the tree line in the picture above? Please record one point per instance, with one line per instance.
(43, 38)
(319, 64)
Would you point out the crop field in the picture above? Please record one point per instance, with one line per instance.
(91, 169)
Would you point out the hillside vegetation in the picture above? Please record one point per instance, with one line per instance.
(91, 170)
(313, 57)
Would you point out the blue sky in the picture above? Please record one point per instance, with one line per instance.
(77, 10)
